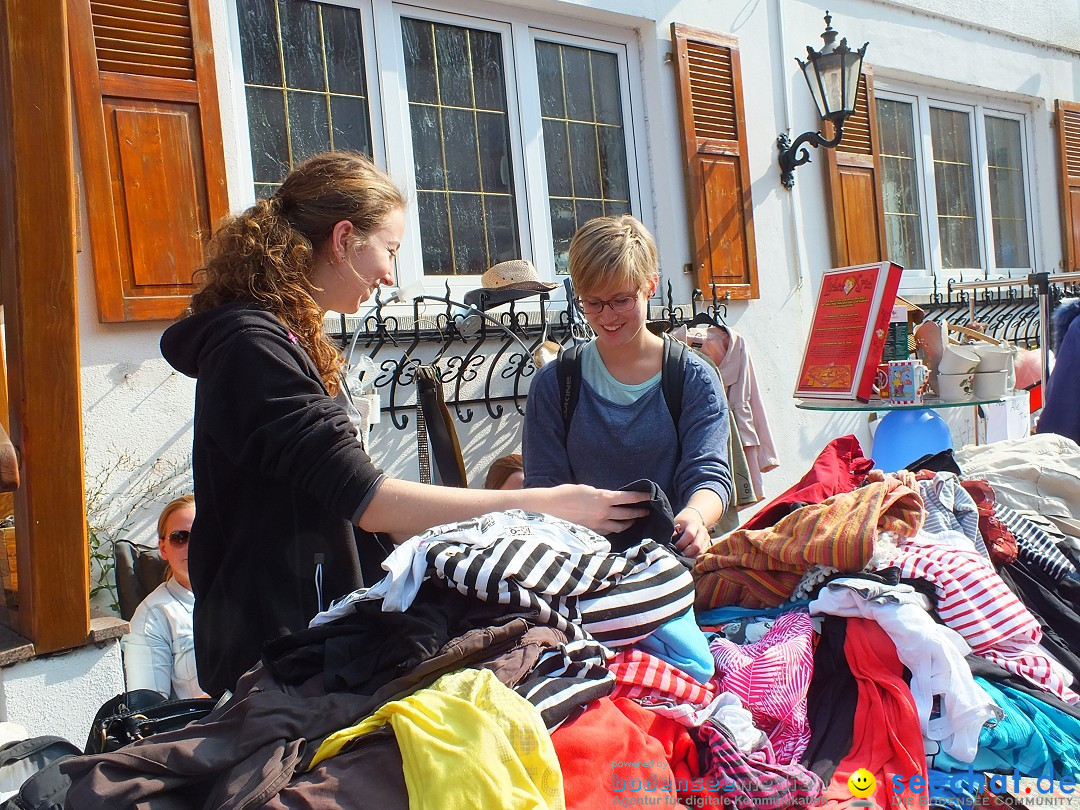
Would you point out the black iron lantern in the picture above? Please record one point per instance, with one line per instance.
(832, 74)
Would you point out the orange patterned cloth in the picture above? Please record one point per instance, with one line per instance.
(761, 567)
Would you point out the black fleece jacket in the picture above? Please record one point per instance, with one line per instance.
(279, 477)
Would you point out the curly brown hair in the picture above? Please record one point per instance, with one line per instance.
(265, 254)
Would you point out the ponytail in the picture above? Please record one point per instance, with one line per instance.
(265, 254)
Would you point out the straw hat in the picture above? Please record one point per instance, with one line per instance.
(516, 274)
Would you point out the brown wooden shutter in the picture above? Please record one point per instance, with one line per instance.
(150, 141)
(709, 89)
(1068, 126)
(854, 184)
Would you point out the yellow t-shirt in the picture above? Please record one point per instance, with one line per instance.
(467, 741)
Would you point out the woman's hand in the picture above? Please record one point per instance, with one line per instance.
(602, 510)
(692, 537)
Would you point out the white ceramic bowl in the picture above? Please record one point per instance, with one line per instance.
(991, 384)
(957, 360)
(956, 387)
(992, 358)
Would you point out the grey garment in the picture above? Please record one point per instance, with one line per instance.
(243, 753)
(742, 487)
(950, 508)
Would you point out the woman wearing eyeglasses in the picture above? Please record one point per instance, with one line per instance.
(281, 480)
(621, 429)
(159, 653)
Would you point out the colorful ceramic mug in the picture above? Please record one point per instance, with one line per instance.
(901, 382)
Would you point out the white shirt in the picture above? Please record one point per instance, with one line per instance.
(159, 652)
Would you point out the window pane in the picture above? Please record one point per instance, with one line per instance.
(1008, 209)
(461, 147)
(259, 41)
(269, 137)
(954, 178)
(903, 217)
(321, 103)
(584, 138)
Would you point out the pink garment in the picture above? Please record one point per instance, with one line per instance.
(975, 602)
(728, 350)
(771, 677)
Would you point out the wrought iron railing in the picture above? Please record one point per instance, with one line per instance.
(484, 359)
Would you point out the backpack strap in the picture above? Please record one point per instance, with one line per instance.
(568, 374)
(673, 375)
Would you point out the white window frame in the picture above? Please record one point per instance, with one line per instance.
(388, 109)
(917, 282)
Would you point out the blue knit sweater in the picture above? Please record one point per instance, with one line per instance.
(611, 445)
(1061, 403)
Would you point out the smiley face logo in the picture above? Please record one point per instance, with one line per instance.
(862, 783)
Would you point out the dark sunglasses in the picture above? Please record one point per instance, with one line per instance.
(180, 537)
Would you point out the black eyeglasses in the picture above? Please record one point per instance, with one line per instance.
(594, 306)
(180, 537)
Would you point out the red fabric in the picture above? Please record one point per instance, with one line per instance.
(607, 760)
(887, 740)
(638, 674)
(680, 752)
(1000, 542)
(839, 467)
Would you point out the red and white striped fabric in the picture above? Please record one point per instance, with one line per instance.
(638, 674)
(975, 602)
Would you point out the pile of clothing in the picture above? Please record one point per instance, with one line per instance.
(945, 605)
(862, 620)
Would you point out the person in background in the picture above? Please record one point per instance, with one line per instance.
(621, 429)
(1061, 401)
(159, 652)
(506, 472)
(281, 480)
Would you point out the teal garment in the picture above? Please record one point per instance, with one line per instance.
(596, 374)
(1033, 737)
(681, 643)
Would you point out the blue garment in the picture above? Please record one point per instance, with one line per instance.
(1061, 408)
(1033, 737)
(681, 643)
(611, 445)
(723, 615)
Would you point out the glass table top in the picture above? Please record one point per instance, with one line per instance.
(931, 402)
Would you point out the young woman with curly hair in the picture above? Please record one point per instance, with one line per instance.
(281, 479)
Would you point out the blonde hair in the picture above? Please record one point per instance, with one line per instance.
(265, 255)
(609, 252)
(171, 508)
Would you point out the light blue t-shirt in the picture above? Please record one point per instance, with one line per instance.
(613, 442)
(597, 375)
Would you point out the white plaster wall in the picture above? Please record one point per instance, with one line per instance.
(60, 694)
(134, 403)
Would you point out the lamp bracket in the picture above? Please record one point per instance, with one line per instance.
(791, 156)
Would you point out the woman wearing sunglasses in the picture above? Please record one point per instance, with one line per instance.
(281, 480)
(159, 652)
(621, 429)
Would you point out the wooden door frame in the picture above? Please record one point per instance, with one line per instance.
(38, 291)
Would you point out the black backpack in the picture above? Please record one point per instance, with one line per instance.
(672, 375)
(32, 767)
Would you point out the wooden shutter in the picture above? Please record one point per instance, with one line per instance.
(709, 89)
(150, 140)
(854, 184)
(1068, 126)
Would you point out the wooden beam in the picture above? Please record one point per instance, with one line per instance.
(37, 286)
